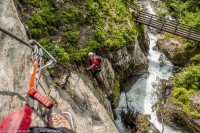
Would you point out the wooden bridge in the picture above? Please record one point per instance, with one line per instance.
(164, 24)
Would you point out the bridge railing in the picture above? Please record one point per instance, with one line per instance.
(164, 24)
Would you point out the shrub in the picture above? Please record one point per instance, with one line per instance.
(92, 7)
(50, 20)
(99, 35)
(181, 96)
(190, 78)
(36, 33)
(55, 49)
(116, 91)
(71, 14)
(73, 36)
(93, 44)
(196, 59)
(37, 20)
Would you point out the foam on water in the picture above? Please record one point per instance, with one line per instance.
(147, 90)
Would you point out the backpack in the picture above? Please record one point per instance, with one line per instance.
(99, 60)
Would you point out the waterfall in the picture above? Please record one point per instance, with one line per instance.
(147, 90)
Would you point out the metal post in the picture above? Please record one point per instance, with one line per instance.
(163, 23)
(138, 16)
(150, 19)
(176, 27)
(189, 32)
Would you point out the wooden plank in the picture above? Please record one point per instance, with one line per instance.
(157, 25)
(172, 29)
(182, 33)
(169, 27)
(195, 35)
(197, 39)
(196, 30)
(144, 19)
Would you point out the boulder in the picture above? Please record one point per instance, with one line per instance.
(173, 50)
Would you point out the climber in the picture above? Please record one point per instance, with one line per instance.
(95, 64)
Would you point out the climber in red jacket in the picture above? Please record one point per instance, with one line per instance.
(95, 63)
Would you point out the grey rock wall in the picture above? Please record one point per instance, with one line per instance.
(130, 60)
(89, 115)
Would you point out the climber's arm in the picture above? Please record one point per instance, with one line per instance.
(91, 67)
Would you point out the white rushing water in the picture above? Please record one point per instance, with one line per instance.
(147, 90)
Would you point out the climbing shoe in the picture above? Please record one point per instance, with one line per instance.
(58, 119)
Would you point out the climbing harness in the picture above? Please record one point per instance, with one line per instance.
(20, 120)
(36, 56)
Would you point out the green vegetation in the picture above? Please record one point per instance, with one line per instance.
(185, 11)
(187, 83)
(163, 10)
(190, 78)
(59, 26)
(181, 97)
(116, 91)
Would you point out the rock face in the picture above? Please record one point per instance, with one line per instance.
(179, 120)
(88, 112)
(14, 66)
(129, 61)
(86, 99)
(175, 117)
(173, 50)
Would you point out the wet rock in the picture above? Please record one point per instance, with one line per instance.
(154, 31)
(145, 46)
(155, 48)
(173, 50)
(166, 86)
(162, 59)
(176, 69)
